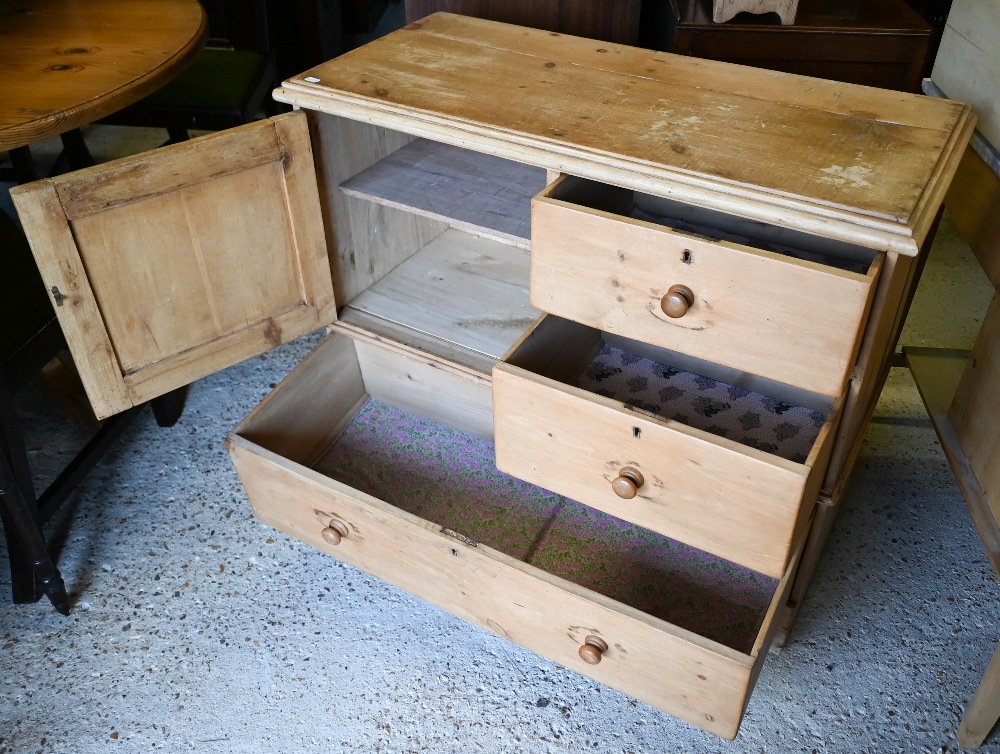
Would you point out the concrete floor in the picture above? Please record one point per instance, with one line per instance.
(196, 628)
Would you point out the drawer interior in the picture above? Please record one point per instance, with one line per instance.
(374, 420)
(769, 416)
(721, 409)
(712, 225)
(449, 477)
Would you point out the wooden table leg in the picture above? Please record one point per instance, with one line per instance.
(984, 709)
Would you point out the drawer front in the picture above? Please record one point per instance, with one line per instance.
(731, 500)
(698, 680)
(782, 318)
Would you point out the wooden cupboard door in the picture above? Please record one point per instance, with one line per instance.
(172, 264)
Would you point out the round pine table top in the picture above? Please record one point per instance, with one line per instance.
(66, 63)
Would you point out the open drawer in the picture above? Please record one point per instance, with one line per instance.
(369, 470)
(615, 425)
(769, 301)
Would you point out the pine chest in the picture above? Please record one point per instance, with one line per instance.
(606, 326)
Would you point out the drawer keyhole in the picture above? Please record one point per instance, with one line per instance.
(335, 532)
(677, 300)
(592, 649)
(626, 485)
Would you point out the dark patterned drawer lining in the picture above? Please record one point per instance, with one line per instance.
(749, 418)
(715, 234)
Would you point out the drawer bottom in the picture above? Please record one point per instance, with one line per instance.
(449, 477)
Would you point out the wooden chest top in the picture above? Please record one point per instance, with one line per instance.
(836, 159)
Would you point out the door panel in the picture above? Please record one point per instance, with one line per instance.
(172, 264)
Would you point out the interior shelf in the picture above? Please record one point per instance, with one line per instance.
(480, 193)
(461, 296)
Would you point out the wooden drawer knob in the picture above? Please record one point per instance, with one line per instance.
(677, 301)
(335, 532)
(593, 649)
(627, 483)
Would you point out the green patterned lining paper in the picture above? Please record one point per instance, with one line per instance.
(749, 418)
(450, 478)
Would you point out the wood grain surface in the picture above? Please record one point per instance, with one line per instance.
(67, 63)
(610, 271)
(708, 684)
(843, 157)
(459, 289)
(732, 500)
(173, 267)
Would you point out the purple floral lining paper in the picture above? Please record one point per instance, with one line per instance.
(449, 477)
(749, 418)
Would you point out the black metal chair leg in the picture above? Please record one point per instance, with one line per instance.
(23, 165)
(167, 409)
(75, 150)
(20, 524)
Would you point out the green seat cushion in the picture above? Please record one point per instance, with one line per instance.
(220, 79)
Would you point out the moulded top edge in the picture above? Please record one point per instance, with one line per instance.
(864, 156)
(861, 230)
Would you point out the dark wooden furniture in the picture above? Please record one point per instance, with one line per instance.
(608, 20)
(306, 33)
(29, 339)
(362, 16)
(882, 43)
(227, 84)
